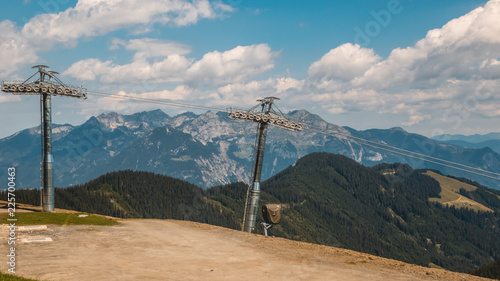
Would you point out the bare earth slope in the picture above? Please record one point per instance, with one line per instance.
(180, 250)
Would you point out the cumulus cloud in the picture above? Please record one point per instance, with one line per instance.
(169, 69)
(98, 17)
(285, 83)
(236, 65)
(448, 77)
(9, 98)
(442, 74)
(155, 61)
(355, 100)
(151, 48)
(96, 105)
(343, 63)
(248, 93)
(15, 50)
(170, 65)
(89, 69)
(180, 92)
(415, 119)
(89, 18)
(453, 51)
(453, 73)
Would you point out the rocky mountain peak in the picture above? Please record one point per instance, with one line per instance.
(398, 129)
(150, 117)
(111, 120)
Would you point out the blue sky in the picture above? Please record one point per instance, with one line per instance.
(430, 67)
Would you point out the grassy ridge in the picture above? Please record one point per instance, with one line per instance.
(450, 193)
(12, 277)
(491, 270)
(37, 218)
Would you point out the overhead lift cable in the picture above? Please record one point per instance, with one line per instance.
(417, 157)
(316, 129)
(156, 101)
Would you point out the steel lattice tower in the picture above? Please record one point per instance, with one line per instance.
(266, 116)
(47, 85)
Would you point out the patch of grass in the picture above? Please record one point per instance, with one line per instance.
(450, 193)
(37, 218)
(432, 265)
(13, 277)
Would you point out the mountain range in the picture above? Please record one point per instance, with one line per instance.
(491, 140)
(211, 149)
(476, 138)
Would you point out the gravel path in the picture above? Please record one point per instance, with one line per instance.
(179, 250)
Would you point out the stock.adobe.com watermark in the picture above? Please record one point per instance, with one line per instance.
(11, 198)
(363, 35)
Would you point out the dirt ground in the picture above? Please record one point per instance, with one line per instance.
(179, 250)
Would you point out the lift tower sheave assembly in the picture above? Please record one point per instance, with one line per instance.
(264, 117)
(47, 85)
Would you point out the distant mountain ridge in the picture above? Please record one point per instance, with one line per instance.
(493, 144)
(491, 140)
(211, 149)
(477, 138)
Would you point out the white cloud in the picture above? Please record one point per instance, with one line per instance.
(490, 69)
(9, 98)
(355, 100)
(416, 85)
(96, 105)
(343, 63)
(180, 92)
(247, 93)
(155, 61)
(98, 17)
(453, 51)
(236, 65)
(117, 43)
(169, 65)
(15, 50)
(440, 74)
(415, 119)
(490, 110)
(90, 18)
(169, 69)
(443, 74)
(285, 83)
(151, 48)
(89, 69)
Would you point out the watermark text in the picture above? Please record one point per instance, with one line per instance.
(11, 198)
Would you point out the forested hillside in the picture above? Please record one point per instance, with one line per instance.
(128, 194)
(335, 201)
(491, 270)
(383, 210)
